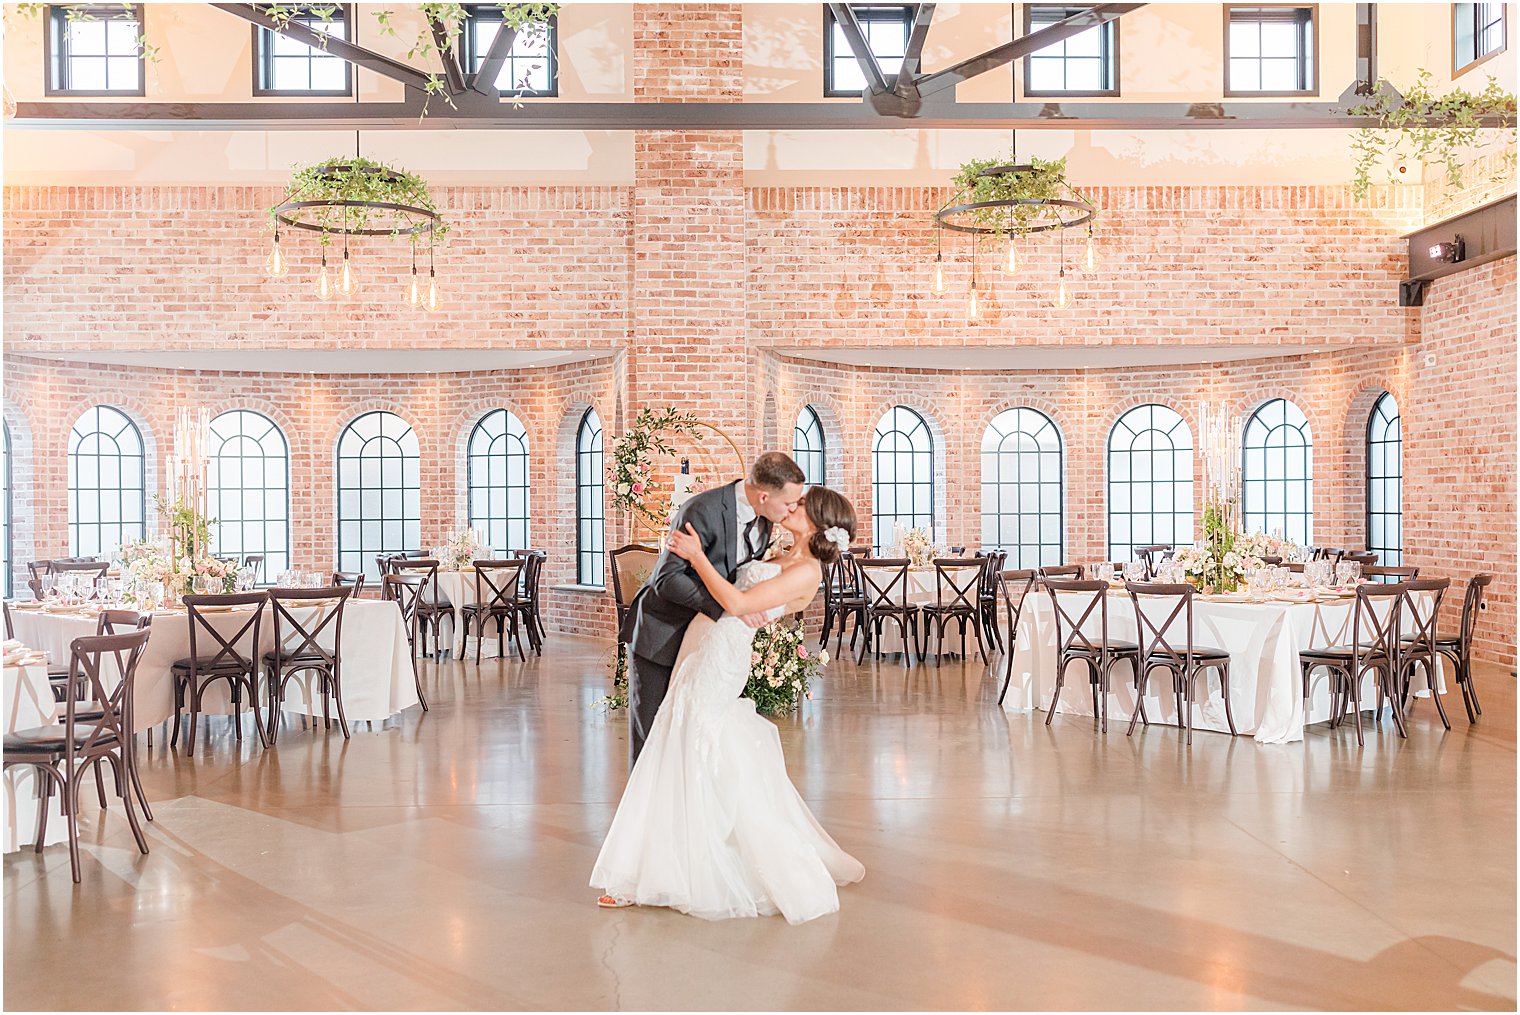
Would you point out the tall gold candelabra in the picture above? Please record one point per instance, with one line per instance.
(187, 480)
(1219, 444)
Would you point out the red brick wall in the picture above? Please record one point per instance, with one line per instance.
(1459, 442)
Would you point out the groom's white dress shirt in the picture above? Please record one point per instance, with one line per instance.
(746, 514)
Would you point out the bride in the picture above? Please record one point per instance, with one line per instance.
(710, 824)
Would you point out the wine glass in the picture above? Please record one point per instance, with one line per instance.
(1347, 572)
(1134, 571)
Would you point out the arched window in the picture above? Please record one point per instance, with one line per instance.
(5, 474)
(1385, 481)
(498, 480)
(248, 489)
(107, 482)
(808, 447)
(1277, 472)
(902, 475)
(379, 491)
(1021, 488)
(1150, 481)
(589, 534)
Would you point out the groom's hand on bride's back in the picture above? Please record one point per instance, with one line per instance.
(755, 620)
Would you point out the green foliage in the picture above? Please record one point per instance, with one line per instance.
(351, 178)
(782, 669)
(619, 666)
(189, 527)
(631, 468)
(1044, 181)
(1449, 128)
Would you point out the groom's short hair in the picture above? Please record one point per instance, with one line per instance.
(774, 470)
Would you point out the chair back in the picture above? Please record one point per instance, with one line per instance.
(1078, 605)
(533, 572)
(1164, 622)
(294, 636)
(1071, 571)
(86, 656)
(1366, 558)
(995, 561)
(37, 568)
(1472, 602)
(631, 567)
(425, 566)
(98, 567)
(1332, 554)
(497, 582)
(883, 581)
(1150, 556)
(1388, 575)
(255, 561)
(1014, 588)
(1422, 614)
(228, 652)
(957, 551)
(350, 579)
(121, 621)
(1375, 624)
(961, 579)
(406, 591)
(1295, 566)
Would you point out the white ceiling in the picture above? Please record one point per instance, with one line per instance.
(1034, 357)
(337, 361)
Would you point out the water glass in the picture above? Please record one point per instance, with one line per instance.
(285, 579)
(247, 577)
(314, 580)
(1347, 572)
(1103, 571)
(150, 594)
(204, 585)
(1134, 571)
(1259, 583)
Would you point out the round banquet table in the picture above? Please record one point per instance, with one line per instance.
(377, 665)
(1263, 639)
(28, 703)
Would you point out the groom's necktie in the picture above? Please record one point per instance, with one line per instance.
(749, 541)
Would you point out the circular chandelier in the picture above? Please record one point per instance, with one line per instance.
(1013, 200)
(356, 197)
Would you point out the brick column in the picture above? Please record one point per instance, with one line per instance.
(687, 346)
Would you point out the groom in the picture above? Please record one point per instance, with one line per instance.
(734, 523)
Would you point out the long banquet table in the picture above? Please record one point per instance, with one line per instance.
(377, 666)
(1263, 639)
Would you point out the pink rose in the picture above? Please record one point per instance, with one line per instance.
(638, 488)
(754, 658)
(801, 651)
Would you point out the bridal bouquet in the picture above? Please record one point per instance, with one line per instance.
(781, 668)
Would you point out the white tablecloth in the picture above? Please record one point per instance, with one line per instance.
(1263, 639)
(922, 592)
(28, 703)
(377, 670)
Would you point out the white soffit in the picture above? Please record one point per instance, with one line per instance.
(1034, 357)
(335, 361)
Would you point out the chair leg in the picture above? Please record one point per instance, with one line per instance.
(126, 803)
(1472, 686)
(1224, 689)
(142, 798)
(71, 813)
(337, 694)
(1055, 696)
(44, 794)
(417, 679)
(100, 784)
(1355, 685)
(480, 634)
(1142, 677)
(516, 637)
(1430, 682)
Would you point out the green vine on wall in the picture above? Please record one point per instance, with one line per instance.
(1455, 131)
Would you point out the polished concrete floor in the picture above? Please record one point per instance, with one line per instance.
(441, 862)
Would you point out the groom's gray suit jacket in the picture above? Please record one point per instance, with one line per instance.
(674, 595)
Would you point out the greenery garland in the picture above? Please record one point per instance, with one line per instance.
(631, 466)
(351, 178)
(1045, 180)
(1450, 144)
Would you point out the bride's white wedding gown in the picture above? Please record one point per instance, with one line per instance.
(709, 823)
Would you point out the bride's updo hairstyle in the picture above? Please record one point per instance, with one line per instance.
(827, 509)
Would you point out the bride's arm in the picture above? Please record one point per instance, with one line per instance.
(788, 585)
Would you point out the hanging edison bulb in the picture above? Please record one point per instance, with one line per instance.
(414, 288)
(973, 307)
(1011, 265)
(348, 282)
(1090, 258)
(324, 281)
(939, 274)
(432, 303)
(1063, 299)
(275, 264)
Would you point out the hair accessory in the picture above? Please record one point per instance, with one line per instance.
(838, 536)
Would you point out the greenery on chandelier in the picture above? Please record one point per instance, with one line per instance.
(1043, 181)
(1455, 133)
(355, 179)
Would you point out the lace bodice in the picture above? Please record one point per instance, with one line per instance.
(755, 572)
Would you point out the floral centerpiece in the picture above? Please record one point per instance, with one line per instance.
(1221, 562)
(781, 668)
(918, 547)
(461, 549)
